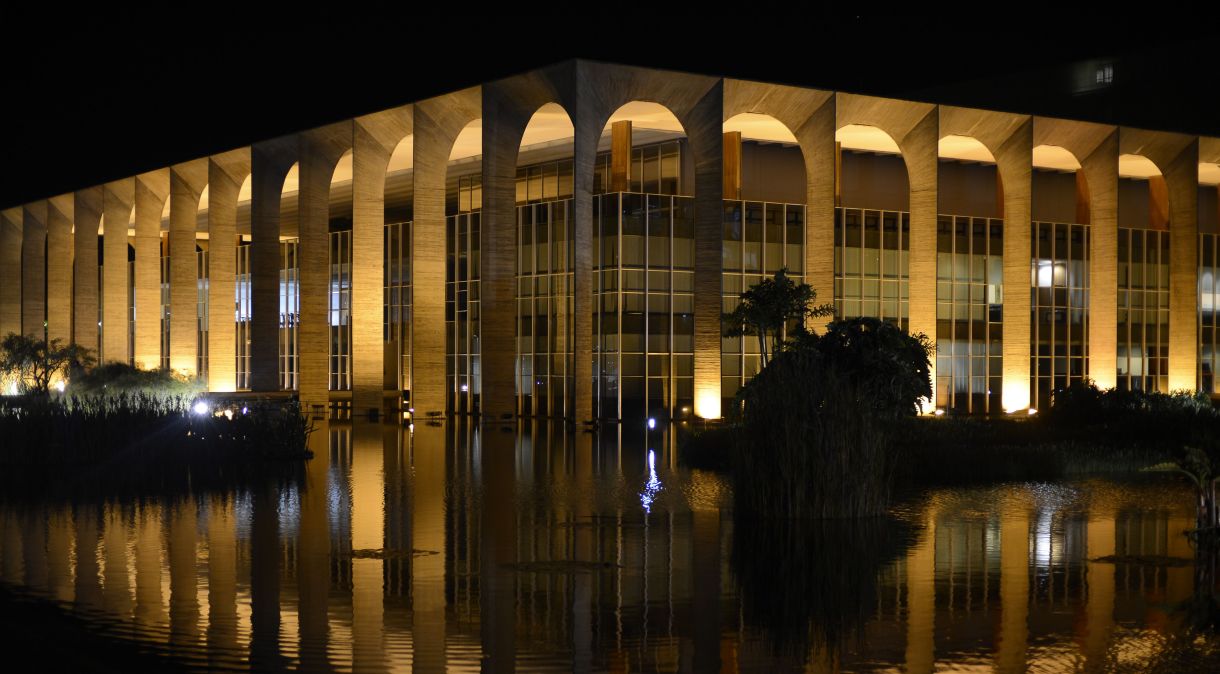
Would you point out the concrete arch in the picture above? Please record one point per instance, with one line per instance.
(810, 115)
(550, 125)
(33, 269)
(1009, 139)
(151, 205)
(915, 128)
(1177, 157)
(590, 92)
(228, 178)
(59, 268)
(118, 202)
(11, 221)
(1096, 148)
(270, 162)
(187, 181)
(436, 123)
(375, 138)
(320, 153)
(86, 223)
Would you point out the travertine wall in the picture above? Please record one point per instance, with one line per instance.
(152, 189)
(118, 198)
(320, 150)
(374, 138)
(226, 173)
(436, 125)
(186, 183)
(86, 220)
(59, 268)
(34, 269)
(10, 270)
(269, 164)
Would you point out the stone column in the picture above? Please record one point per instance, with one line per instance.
(1182, 177)
(269, 165)
(59, 268)
(817, 138)
(86, 219)
(320, 151)
(374, 138)
(704, 126)
(920, 151)
(587, 131)
(1014, 162)
(226, 173)
(503, 125)
(117, 201)
(151, 192)
(186, 183)
(10, 270)
(437, 122)
(1100, 169)
(34, 269)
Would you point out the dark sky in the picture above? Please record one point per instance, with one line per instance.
(89, 98)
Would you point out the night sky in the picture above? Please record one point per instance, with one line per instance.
(88, 99)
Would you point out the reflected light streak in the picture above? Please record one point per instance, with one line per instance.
(653, 486)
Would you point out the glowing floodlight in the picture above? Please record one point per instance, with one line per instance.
(201, 407)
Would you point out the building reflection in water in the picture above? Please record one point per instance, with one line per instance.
(444, 548)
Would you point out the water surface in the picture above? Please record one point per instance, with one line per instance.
(450, 549)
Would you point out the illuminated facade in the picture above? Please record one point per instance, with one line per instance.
(562, 243)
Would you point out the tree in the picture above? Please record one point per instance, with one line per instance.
(32, 363)
(768, 307)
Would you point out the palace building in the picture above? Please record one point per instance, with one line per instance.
(562, 243)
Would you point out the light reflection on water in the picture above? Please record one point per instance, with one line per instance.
(447, 549)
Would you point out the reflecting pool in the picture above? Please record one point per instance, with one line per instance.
(452, 548)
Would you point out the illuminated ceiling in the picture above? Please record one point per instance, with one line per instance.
(1136, 166)
(764, 128)
(1209, 174)
(866, 139)
(1055, 158)
(964, 148)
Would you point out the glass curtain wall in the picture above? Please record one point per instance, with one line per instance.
(242, 315)
(545, 260)
(1059, 283)
(1143, 309)
(969, 313)
(201, 313)
(644, 260)
(871, 264)
(462, 308)
(1209, 312)
(290, 312)
(655, 168)
(340, 310)
(398, 297)
(760, 238)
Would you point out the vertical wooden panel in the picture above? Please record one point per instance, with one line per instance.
(732, 165)
(620, 156)
(1158, 203)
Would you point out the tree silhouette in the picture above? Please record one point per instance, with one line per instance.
(770, 306)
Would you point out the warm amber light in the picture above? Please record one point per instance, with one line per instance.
(707, 404)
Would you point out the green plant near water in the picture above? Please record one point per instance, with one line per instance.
(29, 365)
(813, 437)
(770, 308)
